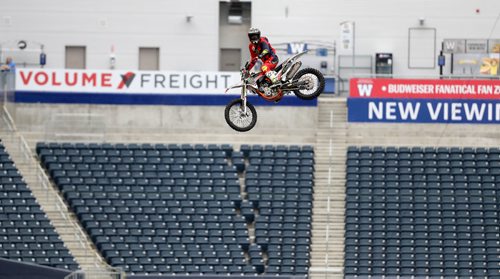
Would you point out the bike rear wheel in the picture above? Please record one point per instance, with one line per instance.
(237, 118)
(314, 83)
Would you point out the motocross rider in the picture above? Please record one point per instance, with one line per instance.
(260, 48)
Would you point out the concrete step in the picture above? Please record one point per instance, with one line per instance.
(329, 193)
(327, 242)
(334, 223)
(335, 219)
(321, 233)
(334, 179)
(334, 201)
(327, 274)
(336, 213)
(337, 203)
(330, 257)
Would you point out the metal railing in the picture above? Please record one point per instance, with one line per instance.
(7, 88)
(42, 182)
(7, 119)
(52, 197)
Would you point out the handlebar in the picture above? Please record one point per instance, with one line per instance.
(245, 74)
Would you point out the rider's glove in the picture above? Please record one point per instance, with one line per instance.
(250, 63)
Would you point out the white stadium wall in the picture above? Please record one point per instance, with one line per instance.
(126, 25)
(381, 26)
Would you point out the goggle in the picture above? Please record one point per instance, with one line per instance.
(254, 37)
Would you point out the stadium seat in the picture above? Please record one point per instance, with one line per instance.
(26, 233)
(178, 209)
(422, 211)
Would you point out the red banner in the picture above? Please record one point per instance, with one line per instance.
(424, 88)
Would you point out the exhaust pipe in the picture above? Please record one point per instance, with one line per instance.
(293, 70)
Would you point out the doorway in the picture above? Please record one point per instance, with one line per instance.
(75, 57)
(230, 59)
(149, 59)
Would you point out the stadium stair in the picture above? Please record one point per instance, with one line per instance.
(327, 255)
(26, 234)
(279, 186)
(64, 222)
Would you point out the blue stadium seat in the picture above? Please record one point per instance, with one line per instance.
(420, 210)
(134, 198)
(26, 233)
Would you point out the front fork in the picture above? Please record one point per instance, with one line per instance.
(244, 98)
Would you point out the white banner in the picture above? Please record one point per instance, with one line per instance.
(116, 81)
(346, 35)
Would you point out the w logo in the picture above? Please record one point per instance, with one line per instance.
(450, 45)
(294, 48)
(365, 89)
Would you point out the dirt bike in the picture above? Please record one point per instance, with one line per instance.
(306, 84)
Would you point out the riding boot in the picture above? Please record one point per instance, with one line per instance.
(272, 76)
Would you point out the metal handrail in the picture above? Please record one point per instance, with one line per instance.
(23, 146)
(63, 209)
(44, 181)
(9, 119)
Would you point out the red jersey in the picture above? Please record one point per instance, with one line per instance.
(257, 49)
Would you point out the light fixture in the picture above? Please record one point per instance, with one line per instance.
(22, 44)
(421, 21)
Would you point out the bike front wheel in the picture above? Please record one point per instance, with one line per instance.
(238, 118)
